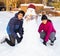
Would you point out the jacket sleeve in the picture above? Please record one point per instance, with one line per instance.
(48, 32)
(11, 24)
(40, 28)
(21, 30)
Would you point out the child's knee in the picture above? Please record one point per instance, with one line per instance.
(42, 35)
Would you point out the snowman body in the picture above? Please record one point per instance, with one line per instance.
(30, 27)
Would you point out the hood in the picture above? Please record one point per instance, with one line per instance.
(16, 15)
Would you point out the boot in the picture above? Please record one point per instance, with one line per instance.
(44, 42)
(52, 43)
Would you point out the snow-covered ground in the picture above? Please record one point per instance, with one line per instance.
(31, 44)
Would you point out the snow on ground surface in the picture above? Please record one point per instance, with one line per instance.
(31, 44)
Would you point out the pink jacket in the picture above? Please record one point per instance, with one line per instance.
(47, 28)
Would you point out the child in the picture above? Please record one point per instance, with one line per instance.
(46, 30)
(14, 27)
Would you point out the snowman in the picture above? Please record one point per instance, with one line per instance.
(30, 26)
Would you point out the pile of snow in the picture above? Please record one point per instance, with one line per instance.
(31, 44)
(32, 3)
(48, 7)
(4, 19)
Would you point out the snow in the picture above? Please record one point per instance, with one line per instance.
(48, 7)
(32, 3)
(58, 11)
(31, 44)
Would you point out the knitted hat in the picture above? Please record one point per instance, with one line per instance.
(31, 6)
(44, 17)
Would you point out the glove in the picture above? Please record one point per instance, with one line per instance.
(44, 42)
(19, 39)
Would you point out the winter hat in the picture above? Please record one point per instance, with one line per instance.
(44, 17)
(31, 6)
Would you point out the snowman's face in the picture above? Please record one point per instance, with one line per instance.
(30, 14)
(31, 11)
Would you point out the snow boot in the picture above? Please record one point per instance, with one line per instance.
(52, 43)
(44, 42)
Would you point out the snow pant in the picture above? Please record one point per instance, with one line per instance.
(52, 37)
(11, 42)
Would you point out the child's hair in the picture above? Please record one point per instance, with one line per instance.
(22, 12)
(44, 17)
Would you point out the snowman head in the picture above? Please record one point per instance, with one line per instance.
(31, 10)
(30, 13)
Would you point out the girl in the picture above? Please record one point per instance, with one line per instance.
(46, 30)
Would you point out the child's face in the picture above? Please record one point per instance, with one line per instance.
(20, 16)
(44, 21)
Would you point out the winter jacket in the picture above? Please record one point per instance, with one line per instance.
(15, 26)
(47, 28)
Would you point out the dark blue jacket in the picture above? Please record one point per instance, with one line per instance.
(15, 26)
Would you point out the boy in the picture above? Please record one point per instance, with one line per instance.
(14, 27)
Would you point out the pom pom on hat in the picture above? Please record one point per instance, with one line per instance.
(31, 6)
